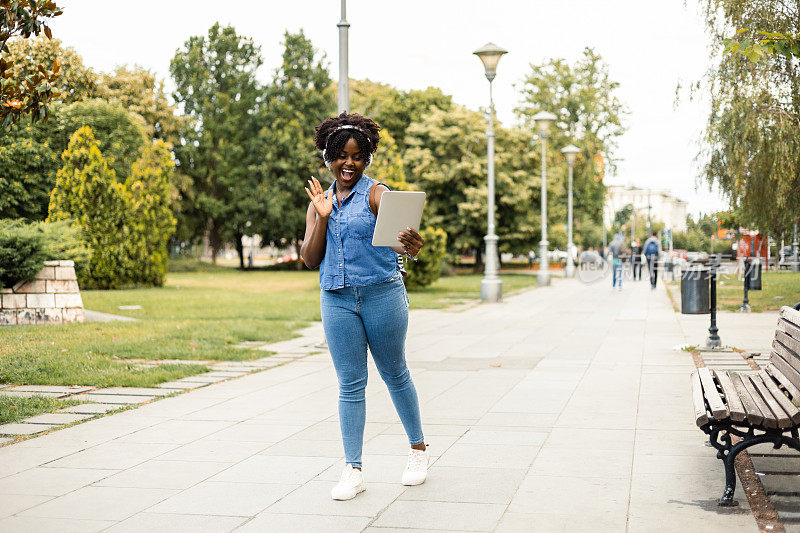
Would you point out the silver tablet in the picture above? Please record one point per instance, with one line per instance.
(398, 210)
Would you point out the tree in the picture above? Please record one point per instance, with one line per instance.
(590, 116)
(87, 191)
(120, 134)
(29, 94)
(28, 167)
(751, 142)
(215, 83)
(297, 100)
(75, 81)
(151, 219)
(140, 92)
(395, 110)
(446, 159)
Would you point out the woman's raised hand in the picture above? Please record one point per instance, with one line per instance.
(322, 201)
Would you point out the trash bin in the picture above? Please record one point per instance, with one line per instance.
(755, 274)
(695, 281)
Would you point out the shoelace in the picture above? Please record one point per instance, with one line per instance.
(416, 461)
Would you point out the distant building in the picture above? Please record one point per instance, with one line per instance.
(664, 206)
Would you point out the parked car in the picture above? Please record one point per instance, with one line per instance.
(557, 255)
(785, 257)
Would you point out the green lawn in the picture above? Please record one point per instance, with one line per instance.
(197, 315)
(14, 409)
(778, 289)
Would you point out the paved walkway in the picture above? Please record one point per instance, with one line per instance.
(561, 409)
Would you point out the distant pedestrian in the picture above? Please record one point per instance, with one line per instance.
(618, 250)
(652, 249)
(636, 260)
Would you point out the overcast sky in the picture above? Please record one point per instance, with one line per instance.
(649, 46)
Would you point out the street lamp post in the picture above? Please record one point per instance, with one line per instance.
(491, 285)
(543, 119)
(795, 260)
(344, 79)
(571, 153)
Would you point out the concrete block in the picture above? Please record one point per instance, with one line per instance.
(6, 291)
(68, 300)
(66, 263)
(74, 314)
(65, 272)
(52, 315)
(8, 318)
(26, 317)
(41, 300)
(48, 272)
(31, 287)
(62, 285)
(52, 263)
(13, 301)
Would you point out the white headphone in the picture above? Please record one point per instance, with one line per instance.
(347, 127)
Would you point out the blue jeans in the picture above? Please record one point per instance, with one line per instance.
(616, 266)
(374, 316)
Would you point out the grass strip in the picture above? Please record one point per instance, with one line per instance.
(778, 289)
(16, 408)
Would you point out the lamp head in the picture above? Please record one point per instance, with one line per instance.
(490, 55)
(543, 119)
(571, 152)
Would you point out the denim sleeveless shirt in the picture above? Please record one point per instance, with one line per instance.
(350, 258)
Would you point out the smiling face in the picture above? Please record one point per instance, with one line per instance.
(349, 164)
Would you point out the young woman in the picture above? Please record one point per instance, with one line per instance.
(363, 298)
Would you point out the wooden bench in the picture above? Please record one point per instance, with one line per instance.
(758, 406)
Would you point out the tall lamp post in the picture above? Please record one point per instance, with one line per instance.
(344, 76)
(543, 119)
(571, 153)
(491, 285)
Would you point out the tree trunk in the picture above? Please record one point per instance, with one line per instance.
(239, 248)
(214, 241)
(478, 261)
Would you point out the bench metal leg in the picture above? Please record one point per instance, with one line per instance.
(728, 455)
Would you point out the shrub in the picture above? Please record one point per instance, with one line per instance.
(22, 251)
(24, 247)
(426, 269)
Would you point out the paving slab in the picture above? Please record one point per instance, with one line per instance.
(117, 399)
(98, 503)
(53, 525)
(201, 378)
(177, 523)
(57, 389)
(176, 385)
(89, 408)
(132, 391)
(28, 394)
(24, 429)
(57, 418)
(225, 498)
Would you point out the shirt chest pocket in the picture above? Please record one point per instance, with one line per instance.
(361, 226)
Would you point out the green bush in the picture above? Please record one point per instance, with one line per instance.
(428, 266)
(126, 225)
(22, 251)
(24, 247)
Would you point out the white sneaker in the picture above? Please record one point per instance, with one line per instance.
(417, 467)
(351, 483)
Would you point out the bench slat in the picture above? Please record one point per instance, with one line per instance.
(789, 342)
(783, 359)
(785, 382)
(789, 328)
(772, 403)
(754, 414)
(711, 393)
(770, 420)
(786, 404)
(790, 315)
(700, 414)
(732, 399)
